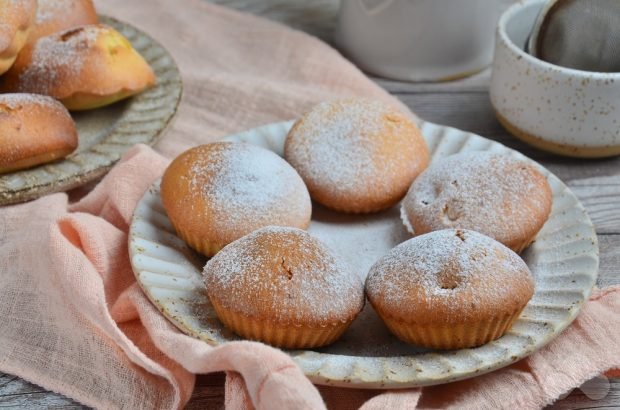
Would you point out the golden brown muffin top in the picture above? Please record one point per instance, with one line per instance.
(356, 155)
(498, 195)
(286, 276)
(225, 190)
(449, 276)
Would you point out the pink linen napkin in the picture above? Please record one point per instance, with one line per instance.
(75, 321)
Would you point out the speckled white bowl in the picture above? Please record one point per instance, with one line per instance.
(565, 111)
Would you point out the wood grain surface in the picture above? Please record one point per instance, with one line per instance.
(463, 104)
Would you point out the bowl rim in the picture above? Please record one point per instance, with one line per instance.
(505, 39)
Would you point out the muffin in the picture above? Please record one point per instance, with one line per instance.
(34, 129)
(17, 17)
(54, 16)
(216, 193)
(85, 67)
(449, 289)
(283, 287)
(498, 195)
(356, 155)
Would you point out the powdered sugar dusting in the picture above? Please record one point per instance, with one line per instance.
(405, 221)
(21, 137)
(338, 146)
(58, 56)
(444, 266)
(250, 187)
(286, 274)
(24, 101)
(490, 193)
(51, 9)
(14, 15)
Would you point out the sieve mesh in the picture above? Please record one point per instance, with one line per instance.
(580, 34)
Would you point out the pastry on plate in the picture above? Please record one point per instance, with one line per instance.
(356, 155)
(216, 193)
(60, 15)
(17, 18)
(283, 287)
(34, 129)
(498, 195)
(84, 68)
(449, 289)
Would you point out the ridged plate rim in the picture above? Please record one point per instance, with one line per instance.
(567, 240)
(142, 122)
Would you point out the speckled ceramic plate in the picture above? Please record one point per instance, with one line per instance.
(563, 259)
(106, 133)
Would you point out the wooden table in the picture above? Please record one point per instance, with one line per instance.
(463, 104)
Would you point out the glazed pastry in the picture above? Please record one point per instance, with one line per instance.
(17, 18)
(498, 195)
(449, 289)
(54, 16)
(283, 287)
(34, 129)
(356, 155)
(85, 67)
(216, 193)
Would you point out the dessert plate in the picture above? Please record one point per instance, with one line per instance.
(563, 259)
(106, 133)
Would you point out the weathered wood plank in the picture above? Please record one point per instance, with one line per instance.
(18, 393)
(601, 197)
(598, 393)
(209, 392)
(609, 269)
(478, 83)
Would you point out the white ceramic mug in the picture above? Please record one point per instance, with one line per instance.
(419, 40)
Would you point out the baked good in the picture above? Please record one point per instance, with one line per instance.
(54, 16)
(449, 289)
(34, 129)
(17, 18)
(356, 155)
(283, 287)
(217, 193)
(498, 195)
(84, 68)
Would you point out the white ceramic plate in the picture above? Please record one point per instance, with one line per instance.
(106, 133)
(563, 259)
